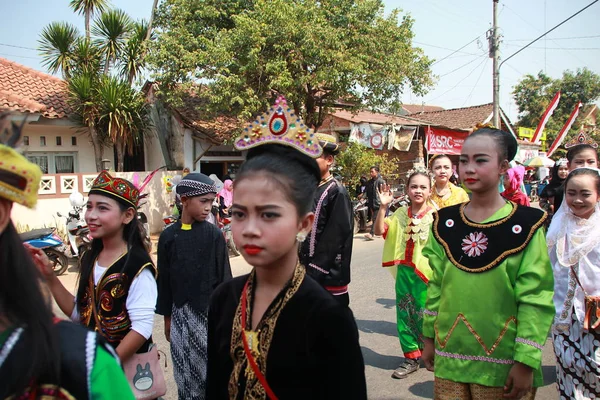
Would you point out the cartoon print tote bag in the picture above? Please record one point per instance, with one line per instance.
(145, 375)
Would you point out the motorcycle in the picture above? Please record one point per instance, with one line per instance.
(77, 231)
(228, 235)
(360, 211)
(47, 240)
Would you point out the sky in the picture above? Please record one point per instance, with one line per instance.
(464, 77)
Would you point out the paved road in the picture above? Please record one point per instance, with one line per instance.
(372, 301)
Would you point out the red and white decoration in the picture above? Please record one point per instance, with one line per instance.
(547, 114)
(474, 244)
(565, 130)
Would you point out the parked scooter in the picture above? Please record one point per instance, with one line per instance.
(79, 234)
(228, 235)
(47, 240)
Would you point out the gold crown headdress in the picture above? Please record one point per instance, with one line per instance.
(19, 178)
(418, 170)
(280, 125)
(581, 139)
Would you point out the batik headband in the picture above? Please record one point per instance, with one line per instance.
(117, 188)
(280, 125)
(19, 178)
(195, 184)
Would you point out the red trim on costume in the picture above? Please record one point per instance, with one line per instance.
(413, 354)
(385, 231)
(406, 264)
(337, 290)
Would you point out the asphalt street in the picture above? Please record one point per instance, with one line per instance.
(372, 301)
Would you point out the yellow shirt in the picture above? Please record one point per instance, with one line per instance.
(457, 196)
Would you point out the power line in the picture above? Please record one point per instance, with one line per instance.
(562, 38)
(18, 47)
(14, 55)
(464, 65)
(557, 48)
(456, 51)
(443, 48)
(458, 83)
(476, 82)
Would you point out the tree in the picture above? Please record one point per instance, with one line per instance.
(88, 8)
(102, 97)
(312, 52)
(533, 94)
(356, 160)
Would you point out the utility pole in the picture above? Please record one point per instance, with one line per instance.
(494, 55)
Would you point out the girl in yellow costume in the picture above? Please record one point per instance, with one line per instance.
(445, 193)
(406, 232)
(489, 299)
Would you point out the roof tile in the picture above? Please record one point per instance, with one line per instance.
(26, 90)
(457, 118)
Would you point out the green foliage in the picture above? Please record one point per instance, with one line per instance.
(356, 160)
(313, 52)
(533, 94)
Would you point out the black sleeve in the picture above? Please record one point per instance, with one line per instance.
(164, 302)
(222, 260)
(340, 355)
(337, 229)
(219, 362)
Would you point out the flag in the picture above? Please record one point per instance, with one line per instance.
(547, 114)
(565, 129)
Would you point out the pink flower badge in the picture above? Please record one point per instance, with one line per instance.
(474, 244)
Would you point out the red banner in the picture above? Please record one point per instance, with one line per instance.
(443, 141)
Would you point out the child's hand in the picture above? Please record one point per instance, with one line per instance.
(428, 355)
(385, 195)
(519, 381)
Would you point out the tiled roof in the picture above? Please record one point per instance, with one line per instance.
(217, 129)
(372, 118)
(26, 90)
(457, 118)
(418, 108)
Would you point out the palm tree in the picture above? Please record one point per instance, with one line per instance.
(88, 8)
(123, 114)
(86, 57)
(112, 29)
(134, 52)
(83, 100)
(56, 47)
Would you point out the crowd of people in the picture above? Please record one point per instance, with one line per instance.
(479, 284)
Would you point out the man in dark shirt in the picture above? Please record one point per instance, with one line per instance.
(373, 187)
(327, 251)
(192, 261)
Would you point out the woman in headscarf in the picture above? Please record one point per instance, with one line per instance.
(513, 179)
(225, 198)
(554, 188)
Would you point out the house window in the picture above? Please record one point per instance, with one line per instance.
(64, 164)
(25, 140)
(42, 140)
(40, 160)
(59, 141)
(54, 163)
(74, 141)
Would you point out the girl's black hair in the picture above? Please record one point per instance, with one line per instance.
(417, 173)
(22, 304)
(573, 151)
(133, 234)
(506, 144)
(438, 157)
(296, 173)
(584, 171)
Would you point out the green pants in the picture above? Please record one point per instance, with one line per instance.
(411, 293)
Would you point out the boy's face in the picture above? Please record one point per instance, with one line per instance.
(198, 207)
(585, 158)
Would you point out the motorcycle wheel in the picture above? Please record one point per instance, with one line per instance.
(60, 262)
(231, 244)
(356, 225)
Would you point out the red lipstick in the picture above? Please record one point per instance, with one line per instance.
(470, 180)
(252, 250)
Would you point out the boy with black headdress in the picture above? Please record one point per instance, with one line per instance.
(327, 251)
(192, 262)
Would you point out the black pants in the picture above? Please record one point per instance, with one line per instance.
(375, 211)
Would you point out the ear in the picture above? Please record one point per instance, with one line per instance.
(184, 201)
(147, 367)
(504, 166)
(129, 215)
(306, 223)
(5, 209)
(139, 368)
(330, 160)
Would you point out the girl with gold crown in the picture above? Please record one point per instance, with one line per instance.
(116, 294)
(406, 232)
(271, 330)
(41, 357)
